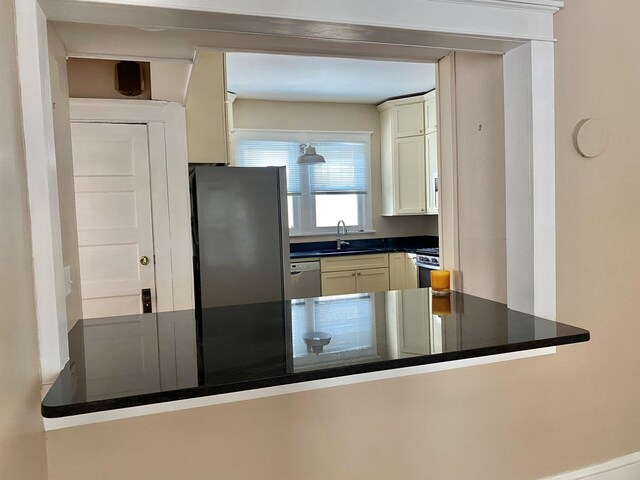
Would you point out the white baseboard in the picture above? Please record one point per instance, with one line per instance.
(621, 468)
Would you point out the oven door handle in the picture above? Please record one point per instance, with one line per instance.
(428, 266)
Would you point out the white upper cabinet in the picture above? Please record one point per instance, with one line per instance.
(410, 176)
(431, 151)
(409, 156)
(408, 119)
(430, 115)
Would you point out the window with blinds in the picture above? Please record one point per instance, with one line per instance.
(270, 153)
(345, 170)
(322, 194)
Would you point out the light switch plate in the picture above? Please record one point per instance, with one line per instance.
(67, 280)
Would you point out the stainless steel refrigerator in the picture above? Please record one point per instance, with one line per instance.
(240, 234)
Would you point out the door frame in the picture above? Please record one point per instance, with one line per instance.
(91, 184)
(522, 31)
(169, 179)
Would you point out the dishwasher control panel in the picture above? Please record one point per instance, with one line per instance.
(304, 266)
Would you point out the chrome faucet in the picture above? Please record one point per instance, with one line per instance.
(339, 241)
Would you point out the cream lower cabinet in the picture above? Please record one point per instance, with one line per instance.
(355, 281)
(339, 283)
(372, 280)
(355, 274)
(403, 272)
(397, 277)
(411, 274)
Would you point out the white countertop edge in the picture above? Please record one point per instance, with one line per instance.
(206, 401)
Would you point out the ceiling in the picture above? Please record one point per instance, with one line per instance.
(324, 79)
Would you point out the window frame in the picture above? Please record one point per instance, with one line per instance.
(304, 204)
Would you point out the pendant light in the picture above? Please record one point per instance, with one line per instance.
(310, 156)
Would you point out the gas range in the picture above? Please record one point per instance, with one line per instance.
(428, 258)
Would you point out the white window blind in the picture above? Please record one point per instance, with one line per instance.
(345, 170)
(348, 318)
(271, 153)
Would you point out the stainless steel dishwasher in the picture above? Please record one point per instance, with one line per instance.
(305, 278)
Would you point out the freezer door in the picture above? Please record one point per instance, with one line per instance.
(242, 235)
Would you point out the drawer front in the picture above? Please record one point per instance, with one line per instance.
(354, 262)
(339, 283)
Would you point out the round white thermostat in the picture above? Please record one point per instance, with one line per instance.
(591, 137)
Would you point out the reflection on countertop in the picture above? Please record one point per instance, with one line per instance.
(135, 360)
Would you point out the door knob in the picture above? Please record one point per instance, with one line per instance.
(144, 260)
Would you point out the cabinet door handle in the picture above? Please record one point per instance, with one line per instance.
(359, 273)
(353, 274)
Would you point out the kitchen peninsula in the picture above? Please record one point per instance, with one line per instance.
(146, 359)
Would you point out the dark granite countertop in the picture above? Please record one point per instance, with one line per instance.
(362, 246)
(121, 362)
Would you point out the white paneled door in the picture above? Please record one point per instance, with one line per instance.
(113, 208)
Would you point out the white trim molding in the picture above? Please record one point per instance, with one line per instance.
(498, 19)
(42, 184)
(117, 111)
(530, 179)
(531, 5)
(448, 168)
(302, 136)
(169, 187)
(621, 468)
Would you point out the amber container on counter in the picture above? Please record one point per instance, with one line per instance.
(440, 280)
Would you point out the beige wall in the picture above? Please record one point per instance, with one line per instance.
(522, 420)
(89, 78)
(334, 117)
(64, 163)
(22, 446)
(482, 234)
